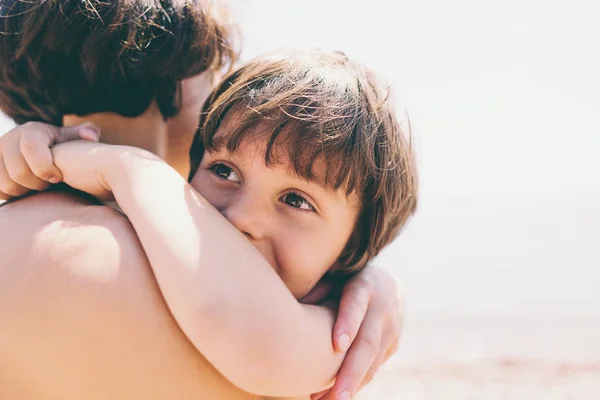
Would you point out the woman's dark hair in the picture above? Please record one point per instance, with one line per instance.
(60, 57)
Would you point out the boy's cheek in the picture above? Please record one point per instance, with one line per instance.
(203, 185)
(308, 282)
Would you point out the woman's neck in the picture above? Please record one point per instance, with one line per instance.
(148, 131)
(170, 139)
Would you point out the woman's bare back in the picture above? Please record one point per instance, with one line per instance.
(82, 316)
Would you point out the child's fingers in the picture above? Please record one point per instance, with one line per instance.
(8, 187)
(4, 196)
(35, 147)
(85, 131)
(19, 171)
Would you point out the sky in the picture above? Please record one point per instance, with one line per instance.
(503, 99)
(502, 96)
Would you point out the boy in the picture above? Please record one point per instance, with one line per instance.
(303, 155)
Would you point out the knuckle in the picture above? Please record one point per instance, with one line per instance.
(29, 125)
(30, 140)
(88, 125)
(369, 343)
(364, 285)
(358, 302)
(18, 172)
(9, 187)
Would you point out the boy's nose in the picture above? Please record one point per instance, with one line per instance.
(248, 214)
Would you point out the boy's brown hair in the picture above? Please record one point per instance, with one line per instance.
(322, 107)
(60, 57)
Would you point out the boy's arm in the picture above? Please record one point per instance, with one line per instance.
(25, 158)
(287, 351)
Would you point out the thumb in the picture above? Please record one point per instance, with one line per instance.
(85, 131)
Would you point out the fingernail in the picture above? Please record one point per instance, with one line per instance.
(344, 396)
(344, 342)
(54, 180)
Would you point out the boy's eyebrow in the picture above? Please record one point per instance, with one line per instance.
(230, 134)
(319, 180)
(220, 145)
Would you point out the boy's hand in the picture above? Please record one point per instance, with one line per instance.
(368, 325)
(84, 165)
(26, 162)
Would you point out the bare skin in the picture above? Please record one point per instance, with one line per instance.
(91, 320)
(103, 330)
(74, 327)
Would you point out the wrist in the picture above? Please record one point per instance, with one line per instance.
(125, 164)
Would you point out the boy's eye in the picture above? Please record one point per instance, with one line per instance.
(297, 201)
(225, 172)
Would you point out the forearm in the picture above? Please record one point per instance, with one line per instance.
(87, 297)
(227, 299)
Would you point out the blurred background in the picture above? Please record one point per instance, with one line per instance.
(501, 264)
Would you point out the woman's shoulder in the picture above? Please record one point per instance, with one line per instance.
(44, 207)
(77, 270)
(60, 194)
(58, 224)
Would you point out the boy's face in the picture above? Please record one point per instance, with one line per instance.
(299, 226)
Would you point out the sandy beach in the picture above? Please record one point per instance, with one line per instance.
(500, 379)
(493, 358)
